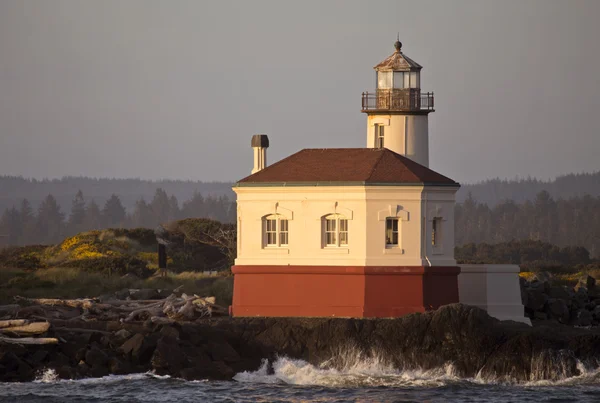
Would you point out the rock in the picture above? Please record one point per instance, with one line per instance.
(583, 318)
(560, 292)
(596, 312)
(168, 356)
(118, 367)
(95, 357)
(222, 351)
(588, 282)
(37, 358)
(540, 315)
(15, 369)
(581, 298)
(123, 294)
(122, 334)
(138, 348)
(536, 299)
(558, 309)
(170, 331)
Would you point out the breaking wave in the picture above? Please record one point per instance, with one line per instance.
(358, 371)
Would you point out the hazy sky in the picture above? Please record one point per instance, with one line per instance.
(175, 89)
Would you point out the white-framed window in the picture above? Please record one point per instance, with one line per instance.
(275, 231)
(335, 230)
(392, 237)
(436, 231)
(379, 135)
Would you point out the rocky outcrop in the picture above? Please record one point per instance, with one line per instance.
(545, 300)
(466, 337)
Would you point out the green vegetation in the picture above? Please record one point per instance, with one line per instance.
(101, 262)
(60, 282)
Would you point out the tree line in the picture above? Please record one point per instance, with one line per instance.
(48, 224)
(496, 191)
(561, 222)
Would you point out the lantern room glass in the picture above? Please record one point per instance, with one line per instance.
(398, 79)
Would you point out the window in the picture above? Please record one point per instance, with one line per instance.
(379, 136)
(399, 79)
(391, 232)
(276, 231)
(384, 80)
(283, 232)
(336, 230)
(436, 231)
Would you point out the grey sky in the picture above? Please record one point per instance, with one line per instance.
(175, 89)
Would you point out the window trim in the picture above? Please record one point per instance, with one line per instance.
(336, 218)
(278, 218)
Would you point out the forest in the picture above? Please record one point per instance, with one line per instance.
(562, 222)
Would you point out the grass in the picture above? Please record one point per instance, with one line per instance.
(70, 282)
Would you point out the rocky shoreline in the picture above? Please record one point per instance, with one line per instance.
(218, 348)
(545, 300)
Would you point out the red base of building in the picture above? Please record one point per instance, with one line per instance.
(343, 291)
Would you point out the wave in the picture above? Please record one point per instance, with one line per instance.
(358, 371)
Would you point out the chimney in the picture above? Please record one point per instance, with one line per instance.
(260, 143)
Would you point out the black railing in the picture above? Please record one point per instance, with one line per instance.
(397, 100)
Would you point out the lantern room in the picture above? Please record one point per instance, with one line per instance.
(398, 86)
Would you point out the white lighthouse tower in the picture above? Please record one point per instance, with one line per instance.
(397, 111)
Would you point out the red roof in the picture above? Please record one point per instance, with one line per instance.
(358, 166)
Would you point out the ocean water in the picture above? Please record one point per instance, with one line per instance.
(297, 381)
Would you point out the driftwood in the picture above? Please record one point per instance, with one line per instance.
(27, 329)
(166, 310)
(13, 322)
(72, 303)
(28, 340)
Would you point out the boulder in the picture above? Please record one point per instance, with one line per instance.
(95, 357)
(168, 356)
(588, 282)
(558, 309)
(536, 299)
(560, 292)
(15, 369)
(138, 348)
(583, 318)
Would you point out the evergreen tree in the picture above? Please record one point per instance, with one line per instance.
(142, 216)
(113, 213)
(174, 211)
(28, 223)
(160, 206)
(50, 221)
(10, 227)
(77, 216)
(93, 217)
(194, 208)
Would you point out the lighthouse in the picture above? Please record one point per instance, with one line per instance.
(397, 111)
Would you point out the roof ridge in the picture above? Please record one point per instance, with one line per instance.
(376, 164)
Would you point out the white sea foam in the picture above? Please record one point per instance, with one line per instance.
(357, 370)
(370, 372)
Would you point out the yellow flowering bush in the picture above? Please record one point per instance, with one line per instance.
(69, 243)
(86, 251)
